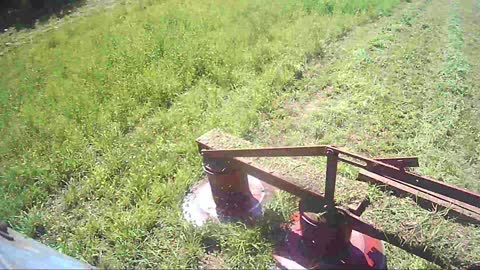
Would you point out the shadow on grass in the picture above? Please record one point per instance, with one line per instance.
(25, 13)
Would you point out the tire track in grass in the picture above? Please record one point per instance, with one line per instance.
(403, 94)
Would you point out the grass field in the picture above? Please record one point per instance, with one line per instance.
(98, 117)
(411, 82)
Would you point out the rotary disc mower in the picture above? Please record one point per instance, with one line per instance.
(322, 234)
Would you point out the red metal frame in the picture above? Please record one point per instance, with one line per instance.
(461, 203)
(390, 173)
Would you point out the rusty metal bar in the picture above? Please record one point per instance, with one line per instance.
(269, 177)
(424, 198)
(361, 207)
(412, 188)
(352, 155)
(438, 192)
(317, 150)
(353, 163)
(436, 186)
(331, 177)
(273, 179)
(400, 162)
(421, 251)
(384, 171)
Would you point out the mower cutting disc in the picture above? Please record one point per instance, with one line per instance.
(199, 206)
(363, 252)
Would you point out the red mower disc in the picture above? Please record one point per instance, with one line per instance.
(363, 252)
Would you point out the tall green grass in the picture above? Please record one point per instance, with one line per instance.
(99, 118)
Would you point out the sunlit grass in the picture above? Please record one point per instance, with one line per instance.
(405, 89)
(99, 119)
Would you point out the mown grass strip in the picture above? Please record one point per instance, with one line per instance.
(390, 98)
(457, 67)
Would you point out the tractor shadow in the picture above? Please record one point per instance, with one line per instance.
(25, 14)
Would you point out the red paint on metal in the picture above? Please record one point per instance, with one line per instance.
(230, 191)
(324, 235)
(316, 243)
(331, 177)
(361, 252)
(442, 193)
(290, 151)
